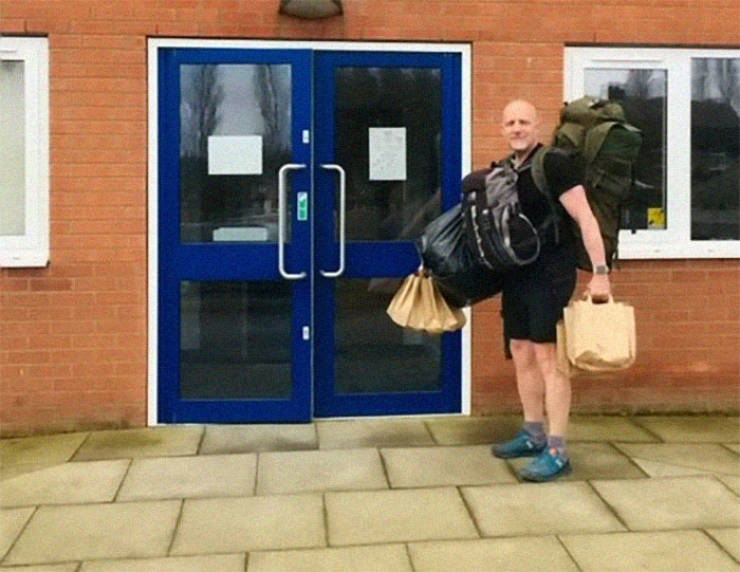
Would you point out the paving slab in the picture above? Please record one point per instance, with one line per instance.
(12, 522)
(732, 482)
(374, 517)
(220, 562)
(190, 477)
(536, 509)
(729, 538)
(86, 532)
(375, 433)
(391, 557)
(328, 470)
(37, 452)
(476, 430)
(674, 550)
(441, 466)
(509, 554)
(606, 428)
(733, 447)
(692, 428)
(70, 483)
(674, 459)
(230, 439)
(15, 470)
(671, 503)
(66, 567)
(593, 461)
(209, 526)
(134, 443)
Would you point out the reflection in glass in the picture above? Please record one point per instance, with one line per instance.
(12, 149)
(232, 100)
(642, 94)
(409, 98)
(374, 355)
(715, 148)
(235, 340)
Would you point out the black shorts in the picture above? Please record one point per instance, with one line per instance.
(533, 299)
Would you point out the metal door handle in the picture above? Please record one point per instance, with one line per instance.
(342, 196)
(281, 220)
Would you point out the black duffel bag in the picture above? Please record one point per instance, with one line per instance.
(446, 255)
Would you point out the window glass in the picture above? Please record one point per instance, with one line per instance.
(715, 148)
(388, 132)
(12, 149)
(234, 136)
(642, 94)
(235, 340)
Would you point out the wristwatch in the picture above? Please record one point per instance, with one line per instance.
(600, 269)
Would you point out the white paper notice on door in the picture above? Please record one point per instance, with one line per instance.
(387, 146)
(235, 155)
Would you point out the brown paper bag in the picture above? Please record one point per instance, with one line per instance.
(600, 337)
(562, 351)
(419, 305)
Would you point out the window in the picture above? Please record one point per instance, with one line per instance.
(24, 152)
(687, 104)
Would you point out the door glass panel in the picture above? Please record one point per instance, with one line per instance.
(715, 149)
(388, 125)
(12, 149)
(235, 340)
(642, 94)
(235, 133)
(374, 355)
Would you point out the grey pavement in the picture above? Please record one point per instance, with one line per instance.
(422, 494)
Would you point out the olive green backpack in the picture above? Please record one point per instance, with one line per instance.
(598, 135)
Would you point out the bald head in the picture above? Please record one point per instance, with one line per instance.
(519, 126)
(520, 108)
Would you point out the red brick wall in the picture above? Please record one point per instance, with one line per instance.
(73, 339)
(688, 344)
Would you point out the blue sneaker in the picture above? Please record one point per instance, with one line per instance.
(522, 445)
(549, 465)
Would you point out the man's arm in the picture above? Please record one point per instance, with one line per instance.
(576, 204)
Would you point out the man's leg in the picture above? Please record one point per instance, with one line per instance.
(553, 462)
(529, 380)
(531, 439)
(557, 388)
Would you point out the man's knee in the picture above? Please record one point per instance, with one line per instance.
(547, 359)
(522, 351)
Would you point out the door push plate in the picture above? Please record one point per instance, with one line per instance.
(302, 206)
(306, 333)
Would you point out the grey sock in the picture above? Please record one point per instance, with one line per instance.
(558, 442)
(537, 430)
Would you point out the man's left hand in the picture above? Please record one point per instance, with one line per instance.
(599, 288)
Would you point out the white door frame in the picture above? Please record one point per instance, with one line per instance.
(153, 47)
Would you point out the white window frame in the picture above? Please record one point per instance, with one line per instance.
(675, 240)
(31, 248)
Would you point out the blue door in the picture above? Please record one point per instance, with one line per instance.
(292, 184)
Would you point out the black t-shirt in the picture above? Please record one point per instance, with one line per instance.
(562, 174)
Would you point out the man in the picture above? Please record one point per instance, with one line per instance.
(534, 296)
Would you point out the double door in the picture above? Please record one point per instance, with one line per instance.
(292, 185)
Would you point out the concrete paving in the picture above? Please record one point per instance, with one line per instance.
(421, 494)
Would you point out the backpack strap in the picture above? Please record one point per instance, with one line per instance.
(538, 170)
(537, 165)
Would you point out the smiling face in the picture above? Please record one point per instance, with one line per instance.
(519, 126)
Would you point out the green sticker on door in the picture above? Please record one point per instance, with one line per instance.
(303, 206)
